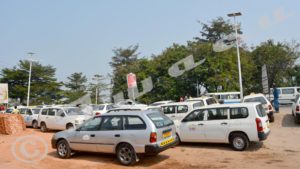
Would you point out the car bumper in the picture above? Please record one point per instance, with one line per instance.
(53, 143)
(155, 149)
(263, 136)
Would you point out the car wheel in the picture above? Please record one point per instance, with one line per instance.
(43, 127)
(63, 149)
(239, 141)
(179, 140)
(69, 126)
(126, 154)
(35, 124)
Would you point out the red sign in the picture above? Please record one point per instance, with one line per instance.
(131, 80)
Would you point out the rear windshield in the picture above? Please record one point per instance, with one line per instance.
(160, 120)
(260, 110)
(256, 99)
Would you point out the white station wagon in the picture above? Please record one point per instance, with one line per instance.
(237, 124)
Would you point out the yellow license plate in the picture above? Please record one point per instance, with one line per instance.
(167, 134)
(169, 141)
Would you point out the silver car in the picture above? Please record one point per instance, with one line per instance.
(125, 134)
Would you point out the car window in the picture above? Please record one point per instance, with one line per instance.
(288, 91)
(160, 120)
(73, 111)
(52, 112)
(91, 125)
(260, 110)
(108, 107)
(182, 109)
(298, 90)
(261, 100)
(197, 115)
(29, 112)
(198, 105)
(238, 113)
(44, 111)
(60, 112)
(36, 111)
(22, 111)
(169, 110)
(211, 101)
(134, 123)
(217, 114)
(112, 123)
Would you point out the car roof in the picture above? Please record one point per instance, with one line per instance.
(230, 105)
(140, 112)
(180, 103)
(200, 98)
(254, 95)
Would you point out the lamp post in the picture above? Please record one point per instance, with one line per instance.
(29, 78)
(234, 15)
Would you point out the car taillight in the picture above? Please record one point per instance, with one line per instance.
(297, 108)
(98, 114)
(259, 125)
(270, 107)
(153, 137)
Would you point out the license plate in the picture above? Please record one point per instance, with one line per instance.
(169, 141)
(167, 134)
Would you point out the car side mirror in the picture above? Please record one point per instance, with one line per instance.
(62, 115)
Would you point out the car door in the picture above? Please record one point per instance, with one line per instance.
(191, 128)
(170, 111)
(216, 126)
(111, 131)
(50, 119)
(28, 117)
(60, 119)
(85, 138)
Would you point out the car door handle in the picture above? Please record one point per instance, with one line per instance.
(224, 123)
(117, 135)
(92, 135)
(200, 124)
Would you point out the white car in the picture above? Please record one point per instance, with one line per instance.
(61, 118)
(237, 124)
(296, 109)
(157, 105)
(30, 116)
(101, 109)
(176, 111)
(286, 94)
(264, 101)
(130, 104)
(206, 100)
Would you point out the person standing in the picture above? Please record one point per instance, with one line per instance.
(276, 96)
(15, 111)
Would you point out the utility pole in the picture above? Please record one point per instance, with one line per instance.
(98, 79)
(234, 15)
(29, 78)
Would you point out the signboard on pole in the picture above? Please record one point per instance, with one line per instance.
(3, 93)
(264, 76)
(131, 80)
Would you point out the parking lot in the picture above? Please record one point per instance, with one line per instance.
(280, 150)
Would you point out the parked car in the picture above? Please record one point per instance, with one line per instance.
(126, 135)
(61, 118)
(296, 109)
(101, 108)
(157, 105)
(9, 110)
(286, 94)
(116, 110)
(206, 100)
(261, 98)
(226, 97)
(130, 104)
(237, 124)
(30, 116)
(176, 111)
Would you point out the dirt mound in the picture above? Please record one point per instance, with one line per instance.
(11, 124)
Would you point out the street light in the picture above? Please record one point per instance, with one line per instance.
(97, 78)
(29, 78)
(234, 15)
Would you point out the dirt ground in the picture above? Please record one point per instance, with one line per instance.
(280, 150)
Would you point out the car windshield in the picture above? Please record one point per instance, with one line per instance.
(256, 99)
(260, 110)
(98, 107)
(35, 111)
(73, 111)
(160, 120)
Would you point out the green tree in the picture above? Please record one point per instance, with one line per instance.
(76, 85)
(101, 86)
(44, 85)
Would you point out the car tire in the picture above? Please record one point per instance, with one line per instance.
(35, 124)
(43, 127)
(126, 154)
(297, 121)
(179, 140)
(63, 149)
(239, 141)
(69, 126)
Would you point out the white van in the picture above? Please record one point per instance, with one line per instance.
(237, 124)
(176, 111)
(286, 94)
